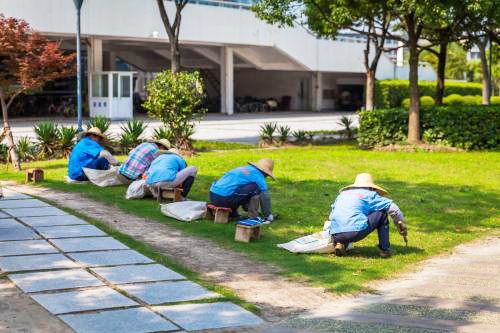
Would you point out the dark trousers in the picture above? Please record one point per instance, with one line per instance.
(99, 164)
(186, 186)
(376, 220)
(241, 197)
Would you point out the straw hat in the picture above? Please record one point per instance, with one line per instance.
(175, 151)
(93, 131)
(162, 142)
(365, 180)
(266, 165)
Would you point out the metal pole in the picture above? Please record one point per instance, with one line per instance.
(79, 72)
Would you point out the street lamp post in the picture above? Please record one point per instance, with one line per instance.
(78, 5)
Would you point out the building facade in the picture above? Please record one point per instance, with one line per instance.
(240, 57)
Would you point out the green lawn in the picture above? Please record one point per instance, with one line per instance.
(448, 198)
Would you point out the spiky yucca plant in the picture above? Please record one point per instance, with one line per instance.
(133, 130)
(25, 149)
(66, 140)
(267, 132)
(283, 134)
(163, 132)
(100, 122)
(47, 134)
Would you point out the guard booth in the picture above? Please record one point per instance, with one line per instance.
(112, 95)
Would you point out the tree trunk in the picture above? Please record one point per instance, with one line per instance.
(370, 90)
(414, 112)
(485, 71)
(175, 56)
(441, 68)
(8, 134)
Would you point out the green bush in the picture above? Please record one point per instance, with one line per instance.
(495, 100)
(176, 100)
(459, 100)
(391, 93)
(425, 101)
(467, 127)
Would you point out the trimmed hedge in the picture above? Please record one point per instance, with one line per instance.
(467, 127)
(391, 93)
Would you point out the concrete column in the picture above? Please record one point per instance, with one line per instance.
(111, 61)
(95, 55)
(227, 80)
(318, 91)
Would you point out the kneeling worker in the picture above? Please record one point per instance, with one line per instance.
(140, 158)
(360, 209)
(245, 186)
(169, 170)
(89, 153)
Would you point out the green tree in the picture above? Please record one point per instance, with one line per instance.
(176, 100)
(456, 63)
(326, 18)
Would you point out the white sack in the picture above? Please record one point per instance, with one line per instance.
(185, 210)
(319, 242)
(105, 178)
(72, 181)
(137, 190)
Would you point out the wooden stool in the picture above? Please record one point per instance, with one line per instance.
(218, 214)
(172, 194)
(246, 233)
(34, 175)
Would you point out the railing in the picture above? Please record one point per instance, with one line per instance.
(236, 4)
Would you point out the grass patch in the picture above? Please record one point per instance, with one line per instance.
(447, 199)
(203, 145)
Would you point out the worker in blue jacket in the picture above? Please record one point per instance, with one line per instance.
(169, 170)
(361, 208)
(246, 187)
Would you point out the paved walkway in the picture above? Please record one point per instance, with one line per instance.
(237, 128)
(94, 283)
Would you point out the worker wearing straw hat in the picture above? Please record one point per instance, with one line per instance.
(246, 187)
(361, 208)
(170, 170)
(140, 158)
(89, 153)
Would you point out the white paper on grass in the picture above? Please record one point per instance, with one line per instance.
(105, 178)
(319, 242)
(185, 210)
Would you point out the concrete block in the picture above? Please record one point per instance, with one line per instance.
(26, 247)
(88, 244)
(137, 273)
(47, 221)
(70, 231)
(35, 262)
(40, 211)
(25, 203)
(54, 280)
(110, 258)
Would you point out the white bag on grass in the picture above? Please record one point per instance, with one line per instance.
(105, 178)
(137, 190)
(185, 210)
(319, 242)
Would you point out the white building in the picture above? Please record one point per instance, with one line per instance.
(238, 55)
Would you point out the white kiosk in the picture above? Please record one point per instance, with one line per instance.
(112, 95)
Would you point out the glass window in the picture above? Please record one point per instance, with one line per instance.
(96, 89)
(125, 86)
(104, 86)
(115, 85)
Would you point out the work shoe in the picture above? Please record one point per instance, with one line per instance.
(385, 253)
(340, 250)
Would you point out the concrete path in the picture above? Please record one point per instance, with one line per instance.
(238, 128)
(94, 283)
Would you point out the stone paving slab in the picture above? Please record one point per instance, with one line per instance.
(26, 247)
(70, 231)
(55, 280)
(13, 195)
(137, 273)
(9, 223)
(88, 244)
(135, 320)
(83, 300)
(35, 262)
(29, 212)
(3, 215)
(25, 203)
(17, 233)
(208, 316)
(48, 221)
(168, 292)
(110, 258)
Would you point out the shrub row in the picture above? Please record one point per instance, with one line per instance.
(391, 93)
(467, 127)
(452, 100)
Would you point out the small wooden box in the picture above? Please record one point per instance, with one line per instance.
(172, 194)
(218, 214)
(34, 175)
(247, 233)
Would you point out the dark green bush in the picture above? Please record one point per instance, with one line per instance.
(467, 127)
(391, 93)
